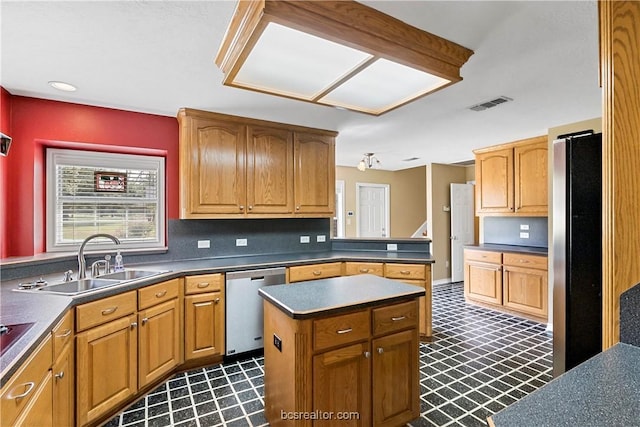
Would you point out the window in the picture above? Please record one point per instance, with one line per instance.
(91, 192)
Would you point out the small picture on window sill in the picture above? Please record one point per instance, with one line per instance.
(113, 182)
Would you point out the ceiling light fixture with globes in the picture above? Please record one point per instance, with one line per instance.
(369, 161)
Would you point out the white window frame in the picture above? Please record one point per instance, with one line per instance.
(103, 160)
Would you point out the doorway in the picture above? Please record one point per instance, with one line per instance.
(372, 201)
(462, 227)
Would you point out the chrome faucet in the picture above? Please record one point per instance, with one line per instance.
(82, 263)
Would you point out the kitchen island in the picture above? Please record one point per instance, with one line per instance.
(339, 349)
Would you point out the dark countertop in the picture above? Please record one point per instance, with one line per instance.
(46, 309)
(603, 391)
(532, 250)
(315, 298)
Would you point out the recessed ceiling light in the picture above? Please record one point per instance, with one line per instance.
(66, 87)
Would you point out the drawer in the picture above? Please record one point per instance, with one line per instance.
(20, 390)
(62, 334)
(203, 283)
(395, 317)
(315, 271)
(103, 311)
(351, 268)
(483, 256)
(155, 294)
(526, 261)
(405, 271)
(342, 329)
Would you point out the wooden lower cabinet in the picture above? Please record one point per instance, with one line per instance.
(526, 290)
(483, 282)
(342, 383)
(203, 325)
(395, 383)
(159, 341)
(314, 271)
(64, 387)
(39, 412)
(106, 367)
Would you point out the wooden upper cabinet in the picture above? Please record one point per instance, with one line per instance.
(234, 167)
(269, 170)
(315, 173)
(494, 181)
(531, 190)
(512, 178)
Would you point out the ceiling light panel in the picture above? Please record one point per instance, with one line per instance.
(293, 63)
(383, 85)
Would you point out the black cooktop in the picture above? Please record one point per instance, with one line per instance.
(11, 333)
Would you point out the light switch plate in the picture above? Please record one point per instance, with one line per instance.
(241, 242)
(524, 235)
(524, 227)
(204, 244)
(304, 239)
(392, 247)
(321, 238)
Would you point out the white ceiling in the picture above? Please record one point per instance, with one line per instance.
(157, 56)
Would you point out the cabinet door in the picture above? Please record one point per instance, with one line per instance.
(531, 184)
(39, 412)
(204, 325)
(158, 341)
(213, 168)
(314, 168)
(494, 181)
(342, 383)
(526, 290)
(395, 379)
(483, 282)
(63, 387)
(269, 171)
(107, 361)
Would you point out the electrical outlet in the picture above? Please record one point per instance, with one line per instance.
(524, 235)
(446, 264)
(304, 239)
(241, 242)
(524, 227)
(321, 238)
(277, 342)
(204, 244)
(392, 247)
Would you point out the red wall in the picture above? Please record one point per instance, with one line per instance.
(5, 127)
(38, 123)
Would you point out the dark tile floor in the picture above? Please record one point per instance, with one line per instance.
(479, 362)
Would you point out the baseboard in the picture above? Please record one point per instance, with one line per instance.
(441, 281)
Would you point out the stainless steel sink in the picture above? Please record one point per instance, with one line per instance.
(129, 275)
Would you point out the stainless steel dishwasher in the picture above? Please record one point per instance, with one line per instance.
(244, 317)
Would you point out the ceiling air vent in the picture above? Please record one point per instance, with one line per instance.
(411, 159)
(490, 104)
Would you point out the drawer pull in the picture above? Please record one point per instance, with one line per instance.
(161, 294)
(380, 350)
(367, 354)
(344, 331)
(203, 285)
(217, 300)
(109, 311)
(59, 375)
(145, 320)
(317, 273)
(397, 319)
(134, 325)
(364, 270)
(30, 385)
(405, 272)
(66, 334)
(526, 261)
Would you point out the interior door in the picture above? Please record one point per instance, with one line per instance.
(462, 227)
(373, 210)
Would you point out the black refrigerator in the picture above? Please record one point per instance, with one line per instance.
(577, 249)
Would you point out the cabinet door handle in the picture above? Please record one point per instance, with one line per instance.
(405, 272)
(145, 320)
(250, 207)
(344, 331)
(30, 385)
(397, 319)
(367, 354)
(161, 294)
(317, 273)
(65, 334)
(241, 207)
(380, 350)
(59, 375)
(364, 270)
(134, 325)
(203, 285)
(297, 208)
(108, 311)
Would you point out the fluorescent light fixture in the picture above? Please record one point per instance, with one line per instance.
(338, 53)
(66, 87)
